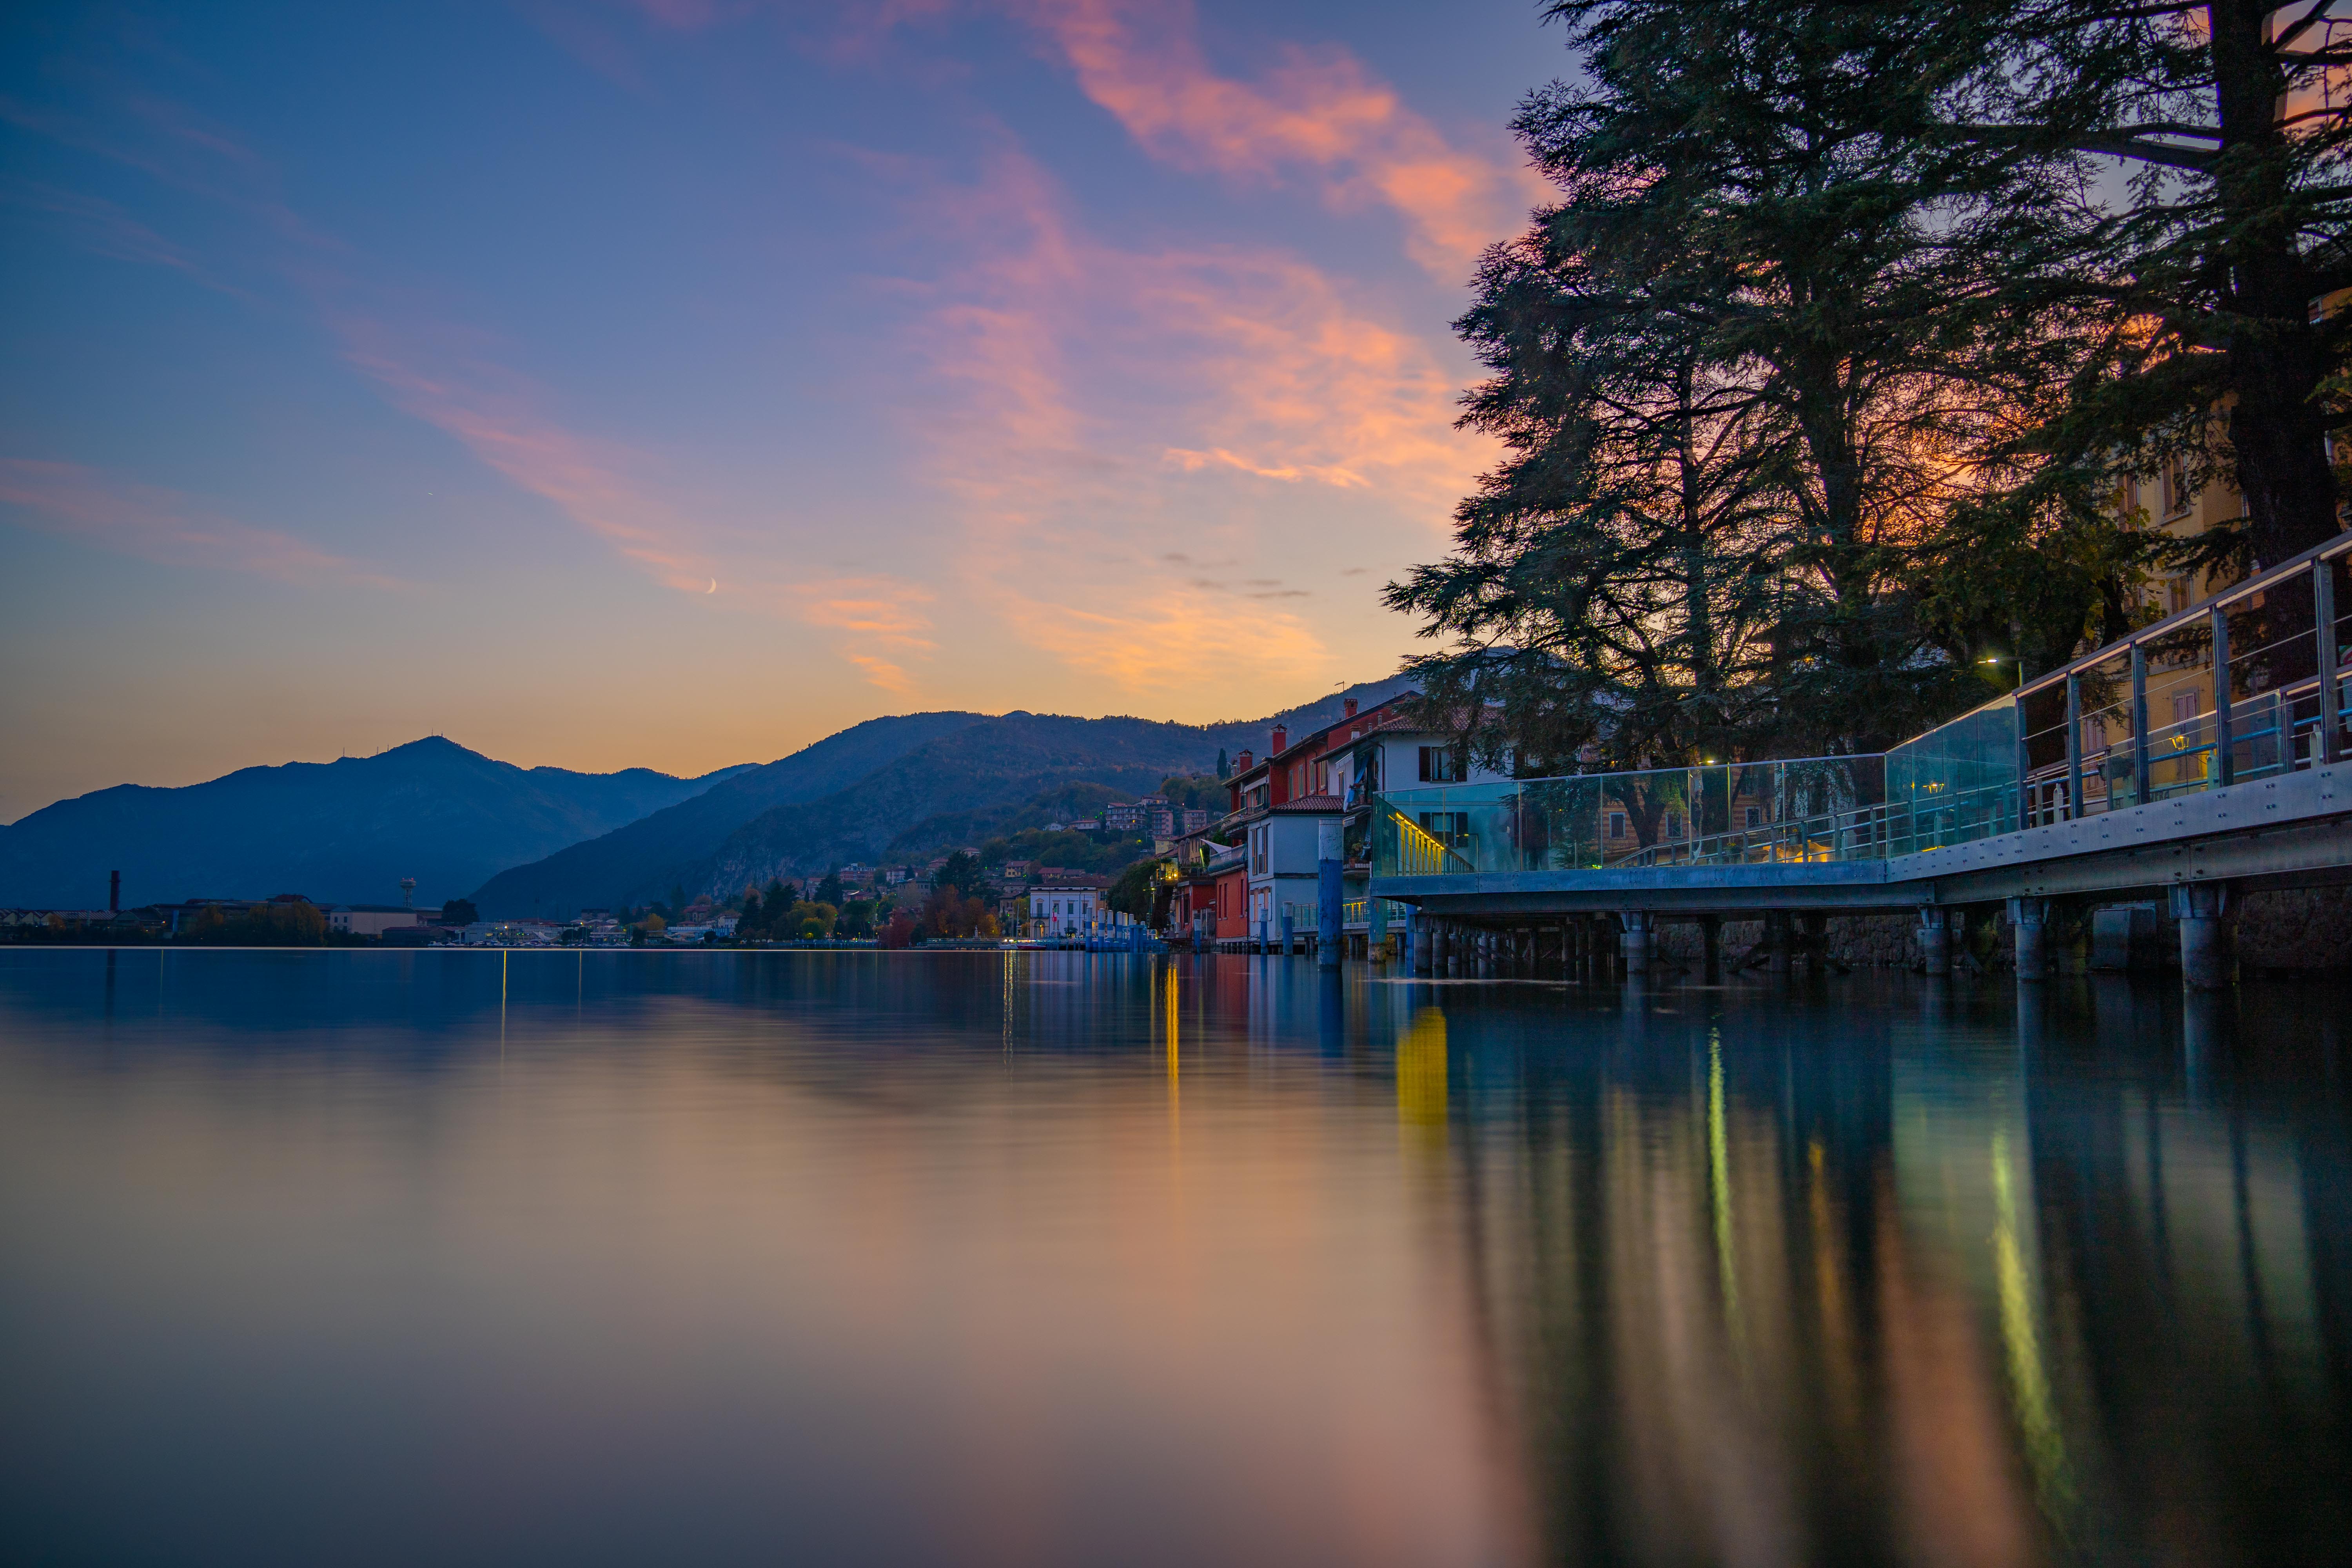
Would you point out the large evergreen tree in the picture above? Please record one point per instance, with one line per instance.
(1740, 369)
(2228, 125)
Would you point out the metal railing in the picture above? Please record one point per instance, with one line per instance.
(2251, 685)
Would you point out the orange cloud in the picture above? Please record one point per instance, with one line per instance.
(1177, 638)
(881, 613)
(1064, 376)
(156, 525)
(1320, 109)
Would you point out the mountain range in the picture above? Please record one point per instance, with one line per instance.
(547, 841)
(954, 777)
(341, 831)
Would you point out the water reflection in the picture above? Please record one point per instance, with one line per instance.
(1066, 1257)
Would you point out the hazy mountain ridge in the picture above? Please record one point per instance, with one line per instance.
(960, 783)
(643, 858)
(344, 832)
(551, 841)
(1002, 760)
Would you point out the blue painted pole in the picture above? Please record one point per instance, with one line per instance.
(1330, 937)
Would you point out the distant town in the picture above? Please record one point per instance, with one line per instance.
(1209, 860)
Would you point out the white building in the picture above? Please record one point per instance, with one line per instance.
(1061, 912)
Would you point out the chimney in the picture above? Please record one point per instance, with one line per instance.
(1351, 709)
(114, 892)
(1281, 739)
(1242, 765)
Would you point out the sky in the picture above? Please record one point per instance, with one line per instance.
(673, 382)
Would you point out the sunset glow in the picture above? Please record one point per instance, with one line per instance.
(1060, 355)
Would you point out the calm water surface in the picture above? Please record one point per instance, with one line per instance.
(959, 1259)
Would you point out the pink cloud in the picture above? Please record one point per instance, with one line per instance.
(157, 525)
(1320, 111)
(496, 414)
(1075, 367)
(1084, 392)
(1193, 462)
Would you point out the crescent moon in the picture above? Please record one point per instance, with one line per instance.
(714, 587)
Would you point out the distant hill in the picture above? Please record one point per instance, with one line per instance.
(884, 787)
(342, 832)
(644, 858)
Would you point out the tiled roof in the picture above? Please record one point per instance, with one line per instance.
(1325, 803)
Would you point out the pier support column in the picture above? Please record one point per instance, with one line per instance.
(1710, 942)
(2208, 959)
(2029, 919)
(1776, 941)
(1936, 939)
(1815, 927)
(1330, 945)
(1449, 950)
(1635, 943)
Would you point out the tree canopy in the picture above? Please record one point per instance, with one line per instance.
(1814, 384)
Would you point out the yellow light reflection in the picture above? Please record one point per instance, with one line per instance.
(1718, 1156)
(2037, 1416)
(1420, 1073)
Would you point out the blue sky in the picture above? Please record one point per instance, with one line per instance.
(674, 383)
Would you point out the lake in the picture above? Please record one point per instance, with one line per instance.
(1046, 1258)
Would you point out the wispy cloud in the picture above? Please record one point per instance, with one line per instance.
(427, 365)
(1068, 373)
(160, 525)
(1193, 462)
(1172, 637)
(499, 417)
(1318, 111)
(887, 619)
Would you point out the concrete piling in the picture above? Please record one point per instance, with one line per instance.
(2029, 919)
(2207, 961)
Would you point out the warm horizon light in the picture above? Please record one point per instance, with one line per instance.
(674, 383)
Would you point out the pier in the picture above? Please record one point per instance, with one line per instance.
(2202, 758)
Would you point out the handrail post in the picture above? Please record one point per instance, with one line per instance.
(2024, 765)
(2075, 748)
(2224, 764)
(2323, 603)
(2139, 724)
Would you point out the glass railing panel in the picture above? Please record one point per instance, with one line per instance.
(2043, 714)
(2104, 734)
(2180, 729)
(1956, 782)
(2340, 571)
(2274, 660)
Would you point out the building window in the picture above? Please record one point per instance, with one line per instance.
(2176, 489)
(1440, 765)
(2177, 592)
(1754, 818)
(1257, 849)
(1674, 825)
(1616, 824)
